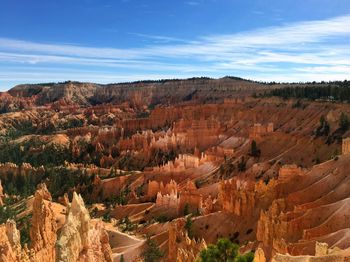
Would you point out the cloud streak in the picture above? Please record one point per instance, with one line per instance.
(294, 52)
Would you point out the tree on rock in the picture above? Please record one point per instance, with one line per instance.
(152, 252)
(344, 122)
(188, 226)
(323, 129)
(254, 150)
(224, 250)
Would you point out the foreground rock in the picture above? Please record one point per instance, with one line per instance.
(43, 230)
(82, 239)
(323, 254)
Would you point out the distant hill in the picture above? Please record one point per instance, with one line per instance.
(169, 91)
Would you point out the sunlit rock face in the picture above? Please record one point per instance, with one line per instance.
(322, 254)
(43, 226)
(10, 247)
(82, 239)
(145, 155)
(181, 247)
(42, 233)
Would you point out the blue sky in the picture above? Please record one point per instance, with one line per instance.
(123, 40)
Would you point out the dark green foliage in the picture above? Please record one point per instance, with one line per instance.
(10, 211)
(333, 91)
(127, 162)
(127, 225)
(72, 123)
(344, 122)
(254, 150)
(249, 257)
(24, 231)
(119, 198)
(188, 226)
(198, 183)
(223, 251)
(162, 219)
(323, 129)
(62, 179)
(160, 157)
(241, 165)
(226, 169)
(7, 212)
(122, 258)
(186, 209)
(190, 96)
(152, 252)
(20, 185)
(142, 115)
(35, 153)
(107, 216)
(298, 104)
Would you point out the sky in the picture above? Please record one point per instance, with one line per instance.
(109, 41)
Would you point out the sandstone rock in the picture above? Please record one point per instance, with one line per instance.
(43, 226)
(181, 247)
(82, 239)
(346, 146)
(10, 247)
(64, 200)
(259, 256)
(154, 187)
(259, 130)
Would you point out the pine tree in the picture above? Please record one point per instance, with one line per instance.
(344, 122)
(188, 227)
(254, 151)
(152, 252)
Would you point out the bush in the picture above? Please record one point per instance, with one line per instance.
(152, 252)
(254, 150)
(323, 129)
(188, 226)
(241, 165)
(344, 122)
(224, 250)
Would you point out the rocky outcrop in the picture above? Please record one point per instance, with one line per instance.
(346, 146)
(237, 196)
(259, 130)
(181, 163)
(259, 255)
(316, 209)
(168, 201)
(181, 247)
(82, 239)
(10, 247)
(42, 233)
(154, 187)
(25, 169)
(64, 200)
(323, 254)
(137, 94)
(43, 227)
(190, 198)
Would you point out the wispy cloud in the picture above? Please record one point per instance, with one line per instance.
(298, 51)
(159, 38)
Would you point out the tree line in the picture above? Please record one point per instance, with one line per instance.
(334, 91)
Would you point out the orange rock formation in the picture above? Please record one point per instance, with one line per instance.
(82, 239)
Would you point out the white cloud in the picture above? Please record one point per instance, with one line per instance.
(303, 50)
